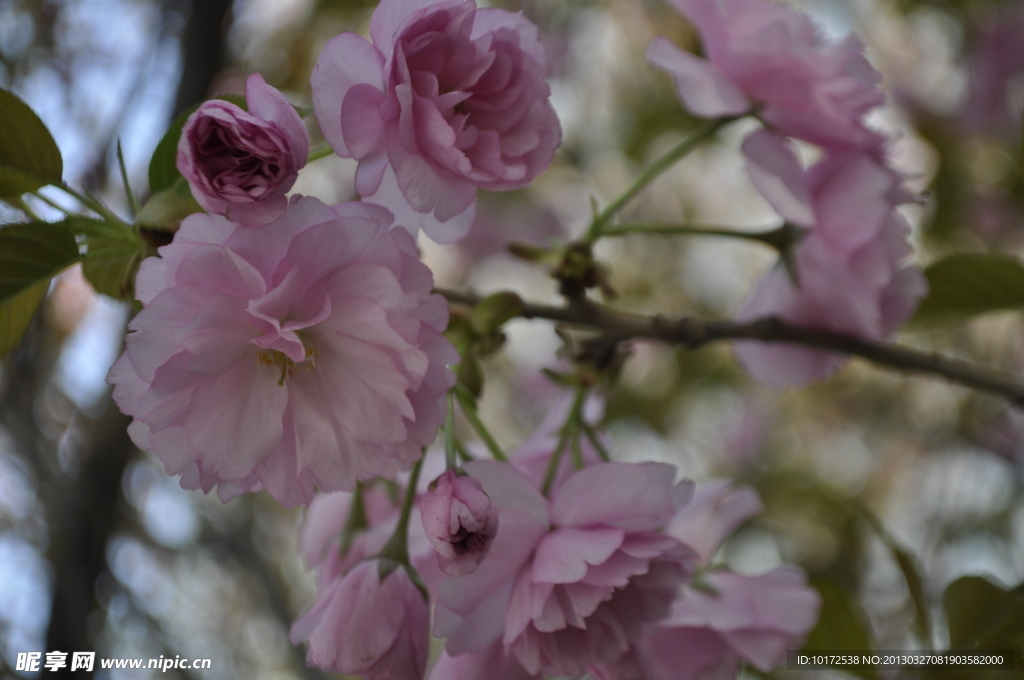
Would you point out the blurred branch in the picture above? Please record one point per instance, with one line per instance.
(694, 333)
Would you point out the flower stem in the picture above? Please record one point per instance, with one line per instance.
(356, 521)
(709, 128)
(449, 435)
(596, 441)
(321, 151)
(397, 547)
(469, 409)
(779, 238)
(569, 431)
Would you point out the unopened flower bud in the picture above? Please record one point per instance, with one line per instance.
(459, 521)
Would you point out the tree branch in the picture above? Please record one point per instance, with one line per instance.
(693, 333)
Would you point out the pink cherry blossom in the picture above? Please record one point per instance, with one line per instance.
(460, 521)
(305, 353)
(447, 99)
(372, 622)
(762, 53)
(241, 164)
(571, 583)
(850, 263)
(746, 618)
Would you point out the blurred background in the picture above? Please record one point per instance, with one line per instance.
(885, 488)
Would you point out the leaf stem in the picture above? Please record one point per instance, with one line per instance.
(132, 203)
(93, 204)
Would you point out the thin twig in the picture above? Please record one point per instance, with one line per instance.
(693, 333)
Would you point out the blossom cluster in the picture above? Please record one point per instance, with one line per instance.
(297, 347)
(612, 574)
(848, 272)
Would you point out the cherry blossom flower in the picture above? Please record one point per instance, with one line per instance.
(373, 622)
(241, 164)
(460, 521)
(763, 53)
(731, 617)
(305, 353)
(447, 99)
(849, 265)
(571, 583)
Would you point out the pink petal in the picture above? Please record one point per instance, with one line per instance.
(347, 60)
(777, 173)
(269, 104)
(627, 495)
(706, 91)
(563, 555)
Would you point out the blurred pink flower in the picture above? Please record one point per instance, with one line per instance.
(571, 584)
(995, 68)
(730, 617)
(717, 508)
(849, 264)
(241, 164)
(747, 618)
(368, 624)
(765, 54)
(447, 99)
(305, 353)
(460, 522)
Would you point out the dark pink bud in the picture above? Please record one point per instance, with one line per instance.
(460, 522)
(241, 164)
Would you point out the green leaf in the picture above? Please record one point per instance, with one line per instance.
(112, 256)
(30, 255)
(493, 311)
(29, 158)
(984, 615)
(165, 209)
(16, 314)
(163, 168)
(841, 625)
(969, 284)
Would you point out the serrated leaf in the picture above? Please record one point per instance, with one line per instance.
(29, 158)
(163, 168)
(968, 284)
(30, 255)
(112, 255)
(841, 625)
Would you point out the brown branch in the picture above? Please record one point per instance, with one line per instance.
(693, 333)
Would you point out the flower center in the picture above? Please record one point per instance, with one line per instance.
(273, 357)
